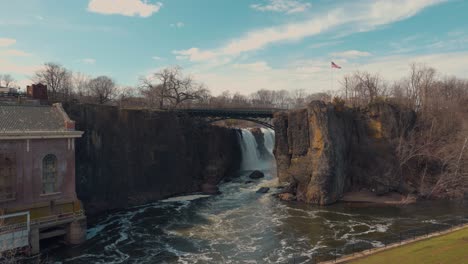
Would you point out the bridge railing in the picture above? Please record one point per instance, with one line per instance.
(268, 111)
(221, 106)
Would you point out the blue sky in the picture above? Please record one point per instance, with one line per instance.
(241, 45)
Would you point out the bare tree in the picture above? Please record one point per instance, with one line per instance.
(362, 88)
(418, 86)
(240, 100)
(57, 78)
(171, 86)
(298, 98)
(263, 97)
(80, 84)
(281, 99)
(103, 89)
(6, 80)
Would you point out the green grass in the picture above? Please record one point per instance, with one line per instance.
(451, 248)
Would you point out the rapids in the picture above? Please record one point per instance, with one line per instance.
(242, 226)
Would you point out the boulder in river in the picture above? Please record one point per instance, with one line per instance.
(256, 175)
(263, 190)
(287, 197)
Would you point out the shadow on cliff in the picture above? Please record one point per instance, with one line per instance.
(130, 157)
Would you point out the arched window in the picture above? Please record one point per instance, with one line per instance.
(49, 174)
(7, 176)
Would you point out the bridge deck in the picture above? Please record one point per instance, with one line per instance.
(239, 112)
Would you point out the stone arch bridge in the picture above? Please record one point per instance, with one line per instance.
(262, 116)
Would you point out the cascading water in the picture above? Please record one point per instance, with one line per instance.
(252, 159)
(242, 226)
(250, 153)
(269, 136)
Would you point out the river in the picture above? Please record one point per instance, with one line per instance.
(242, 226)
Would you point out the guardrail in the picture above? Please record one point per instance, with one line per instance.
(333, 254)
(56, 218)
(14, 235)
(9, 94)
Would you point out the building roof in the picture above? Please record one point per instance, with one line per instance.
(34, 120)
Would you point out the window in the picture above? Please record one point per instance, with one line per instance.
(7, 176)
(49, 174)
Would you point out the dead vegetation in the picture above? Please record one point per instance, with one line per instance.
(433, 153)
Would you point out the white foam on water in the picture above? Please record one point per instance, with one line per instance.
(185, 198)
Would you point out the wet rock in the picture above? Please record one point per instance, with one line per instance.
(247, 182)
(263, 190)
(210, 189)
(261, 147)
(288, 197)
(256, 175)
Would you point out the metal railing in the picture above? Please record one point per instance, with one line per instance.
(391, 238)
(14, 235)
(57, 218)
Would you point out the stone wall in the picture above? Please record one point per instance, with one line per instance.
(130, 157)
(323, 151)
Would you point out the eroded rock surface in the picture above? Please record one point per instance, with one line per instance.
(325, 150)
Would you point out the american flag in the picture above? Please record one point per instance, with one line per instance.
(334, 65)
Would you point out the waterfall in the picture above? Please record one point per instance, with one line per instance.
(251, 156)
(269, 136)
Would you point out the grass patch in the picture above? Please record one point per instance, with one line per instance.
(449, 248)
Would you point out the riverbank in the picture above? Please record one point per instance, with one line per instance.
(391, 198)
(447, 246)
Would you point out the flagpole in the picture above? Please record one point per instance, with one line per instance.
(332, 78)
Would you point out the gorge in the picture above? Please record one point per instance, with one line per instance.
(138, 158)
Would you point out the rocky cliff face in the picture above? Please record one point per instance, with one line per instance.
(323, 151)
(130, 157)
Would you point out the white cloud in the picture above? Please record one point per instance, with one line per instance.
(8, 66)
(124, 7)
(156, 58)
(324, 44)
(194, 54)
(259, 66)
(178, 25)
(88, 61)
(314, 75)
(39, 17)
(6, 42)
(283, 6)
(14, 53)
(351, 54)
(395, 67)
(360, 16)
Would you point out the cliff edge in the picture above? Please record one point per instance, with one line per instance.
(326, 150)
(131, 157)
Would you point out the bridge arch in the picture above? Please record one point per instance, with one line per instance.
(254, 120)
(262, 116)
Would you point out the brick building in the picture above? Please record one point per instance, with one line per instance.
(37, 176)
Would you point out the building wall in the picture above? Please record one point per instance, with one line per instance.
(29, 173)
